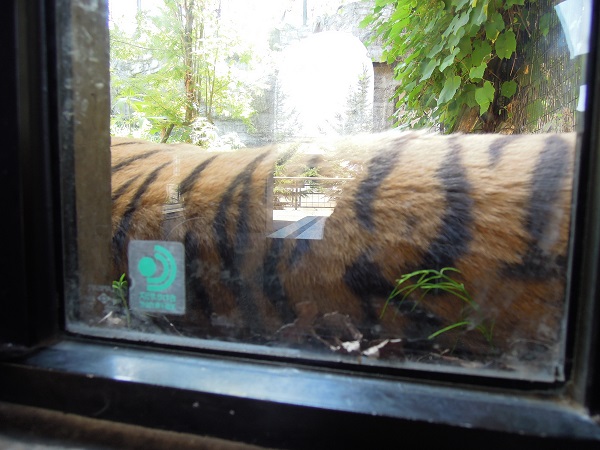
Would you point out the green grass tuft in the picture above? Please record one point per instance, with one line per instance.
(422, 282)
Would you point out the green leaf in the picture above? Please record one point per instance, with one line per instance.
(430, 100)
(481, 50)
(506, 44)
(545, 24)
(435, 49)
(459, 3)
(509, 88)
(510, 3)
(413, 93)
(450, 27)
(429, 68)
(463, 19)
(469, 99)
(412, 56)
(494, 26)
(401, 13)
(369, 18)
(449, 59)
(449, 90)
(485, 96)
(476, 73)
(479, 16)
(410, 86)
(466, 95)
(399, 27)
(454, 40)
(465, 48)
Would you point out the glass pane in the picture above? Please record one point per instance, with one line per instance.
(332, 181)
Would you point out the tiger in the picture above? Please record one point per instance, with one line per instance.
(494, 208)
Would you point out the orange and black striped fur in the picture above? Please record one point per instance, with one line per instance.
(495, 207)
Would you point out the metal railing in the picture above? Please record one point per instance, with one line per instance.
(306, 192)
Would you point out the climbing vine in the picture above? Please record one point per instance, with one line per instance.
(454, 57)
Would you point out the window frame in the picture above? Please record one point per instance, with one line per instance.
(273, 402)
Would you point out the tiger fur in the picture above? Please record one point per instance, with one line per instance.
(495, 207)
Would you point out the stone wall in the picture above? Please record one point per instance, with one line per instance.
(347, 19)
(383, 105)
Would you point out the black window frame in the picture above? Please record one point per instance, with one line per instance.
(272, 402)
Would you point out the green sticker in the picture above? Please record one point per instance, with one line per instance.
(157, 274)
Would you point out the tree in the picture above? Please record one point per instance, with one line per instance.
(454, 56)
(358, 116)
(179, 70)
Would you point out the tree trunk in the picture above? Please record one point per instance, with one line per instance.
(188, 62)
(166, 133)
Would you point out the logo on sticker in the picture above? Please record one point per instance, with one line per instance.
(157, 276)
(148, 268)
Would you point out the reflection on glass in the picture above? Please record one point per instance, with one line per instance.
(304, 229)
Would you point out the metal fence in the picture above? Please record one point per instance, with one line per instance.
(549, 80)
(306, 192)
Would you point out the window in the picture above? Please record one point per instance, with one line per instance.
(384, 249)
(293, 318)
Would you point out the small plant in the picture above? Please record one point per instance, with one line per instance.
(429, 280)
(121, 289)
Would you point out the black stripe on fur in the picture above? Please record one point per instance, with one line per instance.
(197, 294)
(497, 148)
(193, 176)
(121, 235)
(379, 168)
(131, 160)
(272, 285)
(546, 184)
(233, 252)
(454, 235)
(365, 279)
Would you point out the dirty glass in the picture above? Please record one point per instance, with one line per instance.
(294, 179)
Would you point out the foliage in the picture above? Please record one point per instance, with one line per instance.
(430, 280)
(286, 120)
(357, 118)
(454, 55)
(120, 287)
(179, 70)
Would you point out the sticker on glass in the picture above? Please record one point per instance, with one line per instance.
(157, 275)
